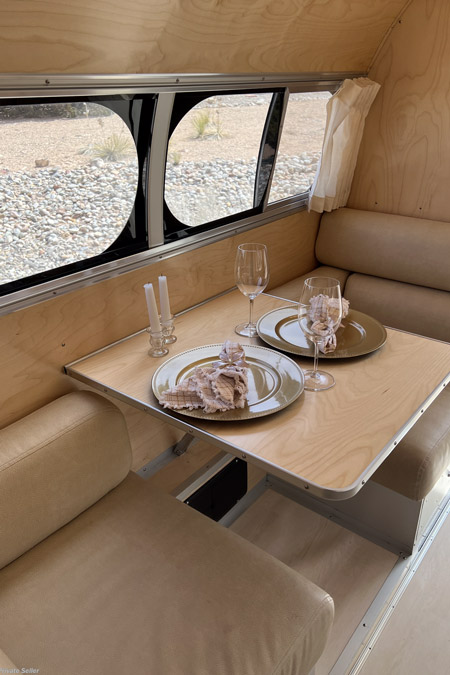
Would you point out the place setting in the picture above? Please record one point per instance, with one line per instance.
(321, 324)
(228, 381)
(357, 335)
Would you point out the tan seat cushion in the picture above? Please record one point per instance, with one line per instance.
(292, 289)
(55, 463)
(6, 665)
(415, 309)
(418, 461)
(141, 583)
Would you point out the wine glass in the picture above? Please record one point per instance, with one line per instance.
(251, 272)
(319, 316)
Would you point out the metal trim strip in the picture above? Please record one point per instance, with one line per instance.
(40, 85)
(157, 170)
(217, 464)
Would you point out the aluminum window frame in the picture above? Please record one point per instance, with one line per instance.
(166, 86)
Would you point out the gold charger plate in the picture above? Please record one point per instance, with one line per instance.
(359, 334)
(274, 380)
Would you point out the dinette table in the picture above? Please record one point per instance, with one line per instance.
(327, 442)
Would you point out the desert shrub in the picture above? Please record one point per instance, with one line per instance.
(206, 128)
(113, 148)
(200, 122)
(217, 127)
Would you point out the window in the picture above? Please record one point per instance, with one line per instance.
(211, 163)
(219, 158)
(300, 145)
(103, 174)
(69, 180)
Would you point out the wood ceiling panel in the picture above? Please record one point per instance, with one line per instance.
(157, 36)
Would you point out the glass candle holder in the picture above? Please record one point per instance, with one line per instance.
(168, 328)
(156, 343)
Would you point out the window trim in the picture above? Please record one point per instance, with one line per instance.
(59, 86)
(284, 102)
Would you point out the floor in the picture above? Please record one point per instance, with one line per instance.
(415, 640)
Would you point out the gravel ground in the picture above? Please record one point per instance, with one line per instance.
(59, 202)
(52, 217)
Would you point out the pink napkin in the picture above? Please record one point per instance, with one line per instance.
(321, 312)
(221, 387)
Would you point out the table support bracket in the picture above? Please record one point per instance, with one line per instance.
(182, 445)
(166, 457)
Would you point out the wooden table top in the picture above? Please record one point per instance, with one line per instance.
(329, 442)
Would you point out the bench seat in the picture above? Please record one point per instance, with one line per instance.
(136, 581)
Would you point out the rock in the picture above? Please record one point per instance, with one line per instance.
(79, 212)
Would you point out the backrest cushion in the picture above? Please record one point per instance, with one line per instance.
(54, 464)
(415, 309)
(411, 250)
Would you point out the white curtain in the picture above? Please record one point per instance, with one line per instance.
(346, 114)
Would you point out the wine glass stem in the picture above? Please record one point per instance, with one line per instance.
(251, 311)
(316, 358)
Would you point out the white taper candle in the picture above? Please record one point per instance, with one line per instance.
(153, 315)
(164, 299)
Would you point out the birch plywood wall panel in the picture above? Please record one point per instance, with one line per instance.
(404, 161)
(160, 36)
(36, 342)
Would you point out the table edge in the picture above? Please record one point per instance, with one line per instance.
(324, 492)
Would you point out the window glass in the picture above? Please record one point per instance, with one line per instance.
(212, 158)
(300, 145)
(68, 179)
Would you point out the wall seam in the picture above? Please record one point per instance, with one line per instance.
(384, 39)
